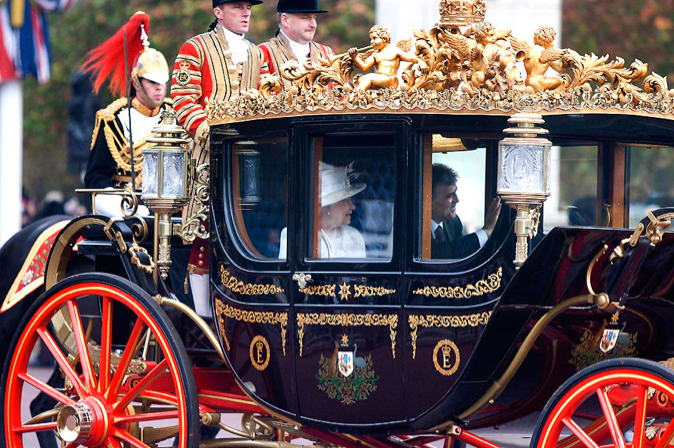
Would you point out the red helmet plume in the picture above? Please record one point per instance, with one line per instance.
(106, 61)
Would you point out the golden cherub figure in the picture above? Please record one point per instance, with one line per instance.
(492, 61)
(385, 58)
(539, 58)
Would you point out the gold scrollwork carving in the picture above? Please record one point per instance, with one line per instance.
(225, 311)
(320, 290)
(372, 291)
(199, 207)
(462, 64)
(348, 320)
(432, 321)
(246, 289)
(489, 285)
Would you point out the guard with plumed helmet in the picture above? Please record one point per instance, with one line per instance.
(110, 162)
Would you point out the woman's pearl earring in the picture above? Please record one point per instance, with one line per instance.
(328, 213)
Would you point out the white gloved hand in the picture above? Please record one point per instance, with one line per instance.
(203, 132)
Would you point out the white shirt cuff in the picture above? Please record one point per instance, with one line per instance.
(482, 237)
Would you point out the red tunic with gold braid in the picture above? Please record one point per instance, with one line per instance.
(277, 52)
(204, 69)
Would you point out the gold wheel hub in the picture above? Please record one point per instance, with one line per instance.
(77, 423)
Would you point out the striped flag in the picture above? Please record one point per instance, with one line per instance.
(24, 38)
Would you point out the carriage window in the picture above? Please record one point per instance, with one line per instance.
(454, 212)
(573, 184)
(259, 179)
(354, 188)
(651, 183)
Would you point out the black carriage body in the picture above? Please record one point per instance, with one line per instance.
(430, 336)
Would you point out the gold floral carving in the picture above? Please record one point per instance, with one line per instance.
(224, 312)
(246, 289)
(372, 291)
(348, 320)
(463, 64)
(433, 321)
(197, 212)
(489, 285)
(319, 290)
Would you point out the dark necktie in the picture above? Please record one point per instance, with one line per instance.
(439, 235)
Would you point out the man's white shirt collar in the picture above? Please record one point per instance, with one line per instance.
(434, 227)
(237, 45)
(301, 51)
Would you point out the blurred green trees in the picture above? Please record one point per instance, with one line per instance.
(89, 22)
(629, 29)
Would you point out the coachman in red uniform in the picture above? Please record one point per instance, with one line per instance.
(215, 66)
(294, 39)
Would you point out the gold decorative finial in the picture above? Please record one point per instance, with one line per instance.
(456, 13)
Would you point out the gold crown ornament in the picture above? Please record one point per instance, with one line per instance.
(456, 13)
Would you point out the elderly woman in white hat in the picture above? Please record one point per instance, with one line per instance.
(337, 238)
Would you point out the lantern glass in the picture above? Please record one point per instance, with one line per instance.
(522, 169)
(150, 181)
(173, 174)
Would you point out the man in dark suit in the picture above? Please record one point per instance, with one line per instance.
(448, 240)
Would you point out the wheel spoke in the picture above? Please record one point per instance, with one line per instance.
(82, 349)
(106, 345)
(640, 418)
(46, 388)
(128, 438)
(666, 435)
(111, 442)
(61, 360)
(141, 386)
(129, 353)
(611, 421)
(41, 427)
(150, 416)
(578, 432)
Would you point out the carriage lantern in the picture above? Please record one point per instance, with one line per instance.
(165, 165)
(524, 176)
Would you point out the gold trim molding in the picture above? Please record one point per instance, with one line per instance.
(433, 321)
(246, 289)
(482, 287)
(348, 320)
(223, 311)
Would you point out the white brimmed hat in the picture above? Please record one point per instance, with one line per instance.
(336, 184)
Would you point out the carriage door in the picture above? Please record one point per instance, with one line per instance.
(347, 276)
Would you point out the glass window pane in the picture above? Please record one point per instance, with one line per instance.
(651, 182)
(573, 178)
(354, 196)
(260, 194)
(457, 203)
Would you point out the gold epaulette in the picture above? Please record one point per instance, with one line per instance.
(107, 115)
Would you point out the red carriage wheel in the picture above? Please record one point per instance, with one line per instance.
(128, 384)
(617, 403)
